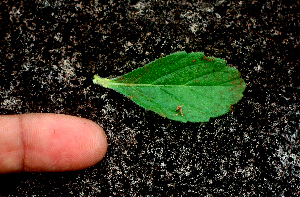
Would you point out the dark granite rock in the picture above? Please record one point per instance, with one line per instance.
(50, 51)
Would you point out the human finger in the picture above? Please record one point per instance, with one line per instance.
(49, 142)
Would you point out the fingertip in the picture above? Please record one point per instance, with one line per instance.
(96, 142)
(66, 143)
(50, 142)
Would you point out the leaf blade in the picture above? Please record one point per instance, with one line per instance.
(204, 87)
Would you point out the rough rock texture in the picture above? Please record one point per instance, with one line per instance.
(50, 50)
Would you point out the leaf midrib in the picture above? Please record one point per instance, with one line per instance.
(155, 85)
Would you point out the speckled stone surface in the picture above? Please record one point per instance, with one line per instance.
(50, 50)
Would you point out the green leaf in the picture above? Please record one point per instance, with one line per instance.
(183, 87)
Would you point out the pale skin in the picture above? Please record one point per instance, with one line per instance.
(49, 143)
